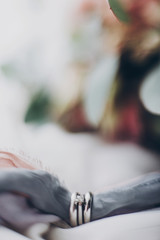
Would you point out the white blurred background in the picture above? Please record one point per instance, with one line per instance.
(35, 52)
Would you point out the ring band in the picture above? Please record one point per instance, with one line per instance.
(80, 208)
(80, 213)
(87, 209)
(73, 211)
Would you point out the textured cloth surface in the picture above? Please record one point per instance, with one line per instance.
(44, 190)
(18, 214)
(15, 210)
(136, 226)
(26, 195)
(8, 234)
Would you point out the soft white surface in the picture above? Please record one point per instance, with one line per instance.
(84, 162)
(7, 234)
(142, 225)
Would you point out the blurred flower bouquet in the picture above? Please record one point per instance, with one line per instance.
(111, 83)
(116, 57)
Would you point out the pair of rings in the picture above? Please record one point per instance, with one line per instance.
(80, 209)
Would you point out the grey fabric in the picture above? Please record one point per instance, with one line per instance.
(44, 190)
(45, 193)
(142, 194)
(18, 214)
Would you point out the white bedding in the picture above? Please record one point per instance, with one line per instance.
(84, 162)
(142, 225)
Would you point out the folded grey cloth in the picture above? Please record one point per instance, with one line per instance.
(44, 191)
(18, 214)
(142, 194)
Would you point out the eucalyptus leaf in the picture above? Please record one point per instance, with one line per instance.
(38, 110)
(150, 91)
(97, 89)
(119, 11)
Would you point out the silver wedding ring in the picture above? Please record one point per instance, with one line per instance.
(73, 210)
(87, 209)
(80, 209)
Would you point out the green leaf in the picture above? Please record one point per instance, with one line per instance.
(38, 110)
(119, 11)
(150, 91)
(98, 87)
